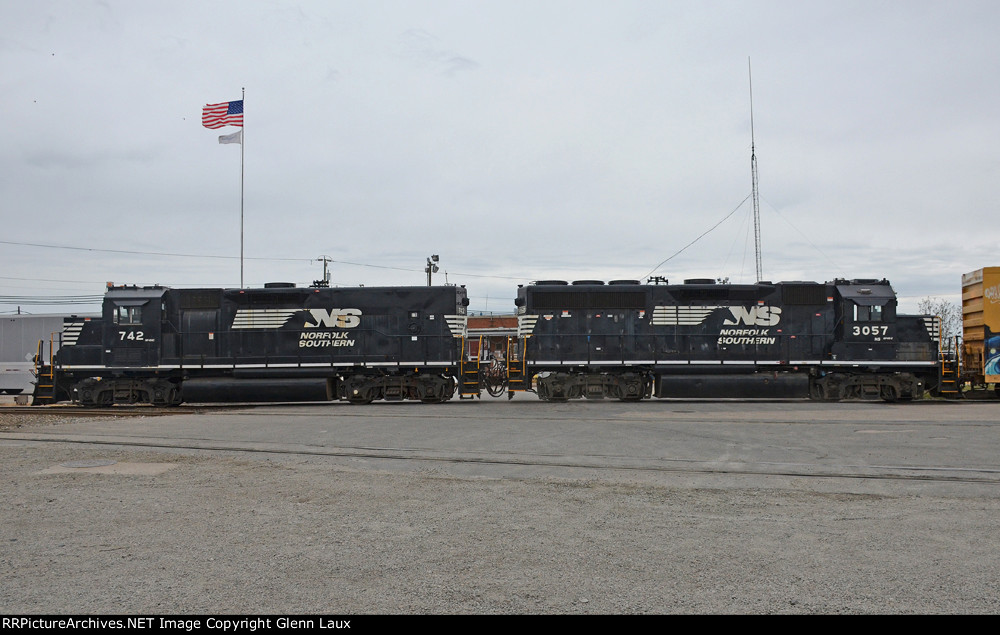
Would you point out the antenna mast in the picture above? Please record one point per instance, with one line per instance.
(753, 172)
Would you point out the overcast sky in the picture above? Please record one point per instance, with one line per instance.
(517, 140)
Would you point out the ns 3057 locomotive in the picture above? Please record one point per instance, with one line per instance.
(622, 340)
(828, 341)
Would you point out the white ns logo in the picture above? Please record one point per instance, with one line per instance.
(754, 316)
(335, 318)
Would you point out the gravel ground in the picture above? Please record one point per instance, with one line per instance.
(171, 532)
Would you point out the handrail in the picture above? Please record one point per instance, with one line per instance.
(610, 348)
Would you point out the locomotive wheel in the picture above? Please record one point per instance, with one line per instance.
(888, 393)
(176, 397)
(816, 392)
(544, 395)
(632, 390)
(823, 391)
(359, 390)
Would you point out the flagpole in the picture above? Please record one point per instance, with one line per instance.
(243, 141)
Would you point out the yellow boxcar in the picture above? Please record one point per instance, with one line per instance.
(981, 325)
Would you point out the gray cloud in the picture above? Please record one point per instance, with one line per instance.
(569, 140)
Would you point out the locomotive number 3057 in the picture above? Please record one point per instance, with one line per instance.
(871, 330)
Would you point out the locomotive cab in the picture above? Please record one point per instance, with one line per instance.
(133, 318)
(875, 352)
(866, 320)
(110, 361)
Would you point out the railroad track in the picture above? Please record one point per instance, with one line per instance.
(114, 411)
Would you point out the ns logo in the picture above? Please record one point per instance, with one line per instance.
(754, 316)
(335, 318)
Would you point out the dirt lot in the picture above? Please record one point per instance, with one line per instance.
(109, 527)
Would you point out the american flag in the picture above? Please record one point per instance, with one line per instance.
(228, 113)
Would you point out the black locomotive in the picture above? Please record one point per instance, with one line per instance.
(366, 342)
(842, 339)
(625, 340)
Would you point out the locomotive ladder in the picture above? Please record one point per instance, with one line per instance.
(468, 376)
(950, 386)
(950, 375)
(516, 379)
(45, 378)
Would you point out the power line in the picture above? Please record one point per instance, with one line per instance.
(220, 257)
(709, 230)
(801, 233)
(142, 253)
(50, 280)
(51, 299)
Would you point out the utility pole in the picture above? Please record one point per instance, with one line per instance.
(325, 282)
(431, 267)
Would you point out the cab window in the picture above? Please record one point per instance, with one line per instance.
(867, 313)
(128, 315)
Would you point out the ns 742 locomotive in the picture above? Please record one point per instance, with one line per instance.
(366, 342)
(624, 340)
